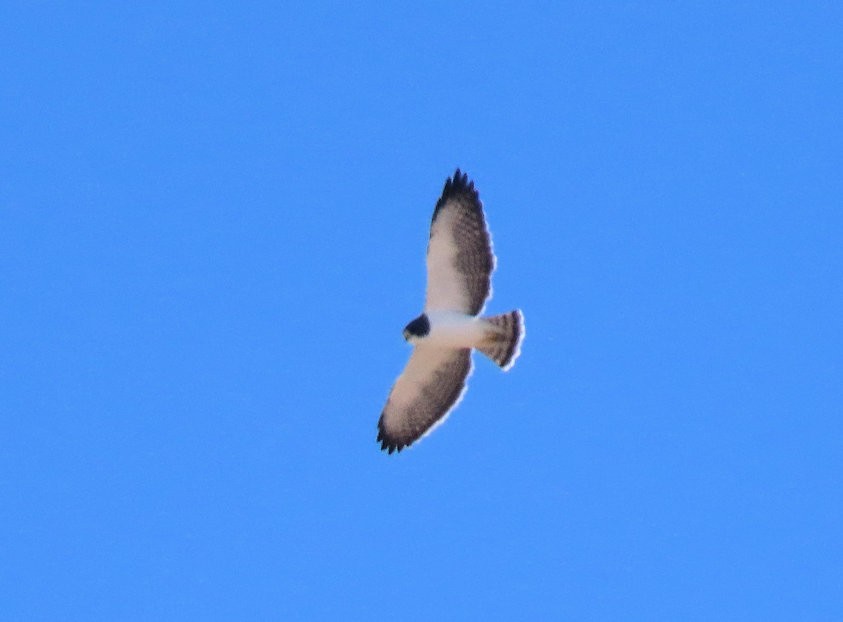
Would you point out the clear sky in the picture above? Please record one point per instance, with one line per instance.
(212, 230)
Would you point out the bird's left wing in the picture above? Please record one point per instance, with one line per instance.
(431, 385)
(459, 255)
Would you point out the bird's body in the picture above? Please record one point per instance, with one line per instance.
(459, 266)
(451, 329)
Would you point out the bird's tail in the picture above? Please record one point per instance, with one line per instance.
(502, 340)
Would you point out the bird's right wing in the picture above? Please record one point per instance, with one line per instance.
(432, 384)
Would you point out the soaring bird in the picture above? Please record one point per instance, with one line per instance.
(460, 262)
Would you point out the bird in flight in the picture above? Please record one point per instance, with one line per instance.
(460, 262)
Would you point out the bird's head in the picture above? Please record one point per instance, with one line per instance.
(416, 329)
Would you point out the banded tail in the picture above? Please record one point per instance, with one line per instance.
(502, 341)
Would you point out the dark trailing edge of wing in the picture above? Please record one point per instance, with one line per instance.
(456, 187)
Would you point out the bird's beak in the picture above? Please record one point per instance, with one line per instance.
(406, 335)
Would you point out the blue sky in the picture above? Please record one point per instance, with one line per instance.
(212, 230)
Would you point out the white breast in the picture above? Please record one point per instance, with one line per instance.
(454, 330)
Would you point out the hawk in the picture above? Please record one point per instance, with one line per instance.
(459, 270)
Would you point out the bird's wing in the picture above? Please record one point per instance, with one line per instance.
(459, 255)
(432, 384)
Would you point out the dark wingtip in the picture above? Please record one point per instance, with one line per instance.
(455, 187)
(458, 184)
(387, 444)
